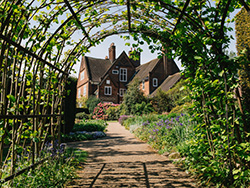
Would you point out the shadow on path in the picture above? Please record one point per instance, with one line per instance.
(121, 160)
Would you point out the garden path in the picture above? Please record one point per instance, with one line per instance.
(121, 160)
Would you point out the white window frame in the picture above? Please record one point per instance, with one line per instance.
(79, 93)
(106, 89)
(155, 82)
(79, 104)
(123, 74)
(82, 75)
(107, 81)
(115, 71)
(84, 90)
(122, 92)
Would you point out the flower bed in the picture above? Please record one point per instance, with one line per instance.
(162, 132)
(59, 168)
(86, 130)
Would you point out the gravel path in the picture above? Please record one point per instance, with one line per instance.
(121, 160)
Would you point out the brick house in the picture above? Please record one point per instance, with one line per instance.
(107, 78)
(153, 74)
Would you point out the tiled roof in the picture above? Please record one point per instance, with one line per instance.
(144, 69)
(169, 82)
(97, 67)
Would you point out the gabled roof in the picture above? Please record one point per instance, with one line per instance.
(122, 55)
(96, 67)
(168, 83)
(144, 69)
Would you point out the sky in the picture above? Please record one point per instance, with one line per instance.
(101, 50)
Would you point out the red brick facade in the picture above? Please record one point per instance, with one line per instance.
(108, 78)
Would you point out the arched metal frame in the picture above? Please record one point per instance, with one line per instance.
(37, 54)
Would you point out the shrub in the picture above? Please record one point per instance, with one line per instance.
(82, 115)
(101, 109)
(143, 108)
(175, 97)
(92, 103)
(132, 97)
(90, 126)
(182, 108)
(161, 101)
(113, 112)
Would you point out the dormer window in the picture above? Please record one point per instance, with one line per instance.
(155, 82)
(123, 75)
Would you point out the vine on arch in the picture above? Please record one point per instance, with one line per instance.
(32, 83)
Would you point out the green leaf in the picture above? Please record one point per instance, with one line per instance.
(12, 98)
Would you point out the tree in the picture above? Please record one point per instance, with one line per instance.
(92, 103)
(132, 97)
(162, 102)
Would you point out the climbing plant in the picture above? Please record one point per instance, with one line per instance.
(242, 19)
(197, 33)
(41, 40)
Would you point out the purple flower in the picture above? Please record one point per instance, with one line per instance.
(177, 118)
(182, 114)
(181, 124)
(157, 130)
(168, 127)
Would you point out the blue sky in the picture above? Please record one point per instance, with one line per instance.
(101, 50)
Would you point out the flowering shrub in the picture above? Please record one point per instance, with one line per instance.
(101, 109)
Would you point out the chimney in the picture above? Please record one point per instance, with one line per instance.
(106, 57)
(169, 65)
(112, 52)
(137, 62)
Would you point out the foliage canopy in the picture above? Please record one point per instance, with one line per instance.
(34, 42)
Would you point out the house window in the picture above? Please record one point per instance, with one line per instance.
(107, 90)
(143, 85)
(115, 72)
(79, 93)
(79, 104)
(122, 92)
(155, 82)
(123, 75)
(82, 75)
(107, 81)
(84, 90)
